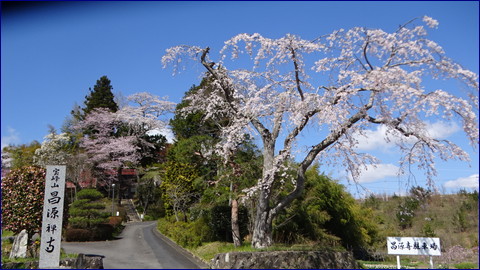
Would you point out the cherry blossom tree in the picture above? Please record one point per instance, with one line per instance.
(116, 139)
(145, 113)
(145, 116)
(105, 149)
(337, 85)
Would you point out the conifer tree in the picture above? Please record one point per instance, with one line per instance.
(100, 97)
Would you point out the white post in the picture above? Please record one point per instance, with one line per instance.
(52, 217)
(431, 262)
(398, 262)
(113, 199)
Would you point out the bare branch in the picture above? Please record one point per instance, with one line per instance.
(365, 53)
(226, 90)
(329, 140)
(297, 73)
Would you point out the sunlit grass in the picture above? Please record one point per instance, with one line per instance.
(207, 251)
(6, 233)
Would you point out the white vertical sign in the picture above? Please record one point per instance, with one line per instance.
(52, 217)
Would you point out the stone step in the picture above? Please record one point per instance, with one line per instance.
(132, 214)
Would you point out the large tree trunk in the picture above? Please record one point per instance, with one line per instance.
(237, 241)
(262, 230)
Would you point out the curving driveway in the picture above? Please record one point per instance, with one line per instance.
(140, 247)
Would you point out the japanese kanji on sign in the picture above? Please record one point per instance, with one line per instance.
(413, 246)
(52, 217)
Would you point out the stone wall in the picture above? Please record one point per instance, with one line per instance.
(284, 259)
(83, 261)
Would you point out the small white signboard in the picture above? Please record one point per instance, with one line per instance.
(413, 246)
(52, 217)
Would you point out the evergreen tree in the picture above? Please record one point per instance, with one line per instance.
(86, 212)
(196, 138)
(100, 97)
(220, 183)
(187, 125)
(327, 214)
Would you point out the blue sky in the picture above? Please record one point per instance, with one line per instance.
(51, 55)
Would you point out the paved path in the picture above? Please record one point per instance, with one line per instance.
(140, 247)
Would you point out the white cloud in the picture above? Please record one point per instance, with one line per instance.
(464, 182)
(376, 139)
(442, 130)
(376, 172)
(165, 132)
(12, 138)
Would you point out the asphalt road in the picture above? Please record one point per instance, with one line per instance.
(140, 247)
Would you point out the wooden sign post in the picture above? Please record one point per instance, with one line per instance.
(52, 217)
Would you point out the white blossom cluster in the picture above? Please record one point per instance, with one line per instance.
(54, 150)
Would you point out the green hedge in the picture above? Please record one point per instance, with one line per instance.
(186, 234)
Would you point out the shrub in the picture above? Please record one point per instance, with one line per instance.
(115, 221)
(89, 194)
(460, 220)
(78, 235)
(406, 212)
(372, 202)
(22, 199)
(428, 230)
(116, 224)
(328, 215)
(186, 234)
(86, 214)
(103, 232)
(85, 211)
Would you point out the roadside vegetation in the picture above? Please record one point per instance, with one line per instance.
(436, 215)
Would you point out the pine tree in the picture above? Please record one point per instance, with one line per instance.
(100, 97)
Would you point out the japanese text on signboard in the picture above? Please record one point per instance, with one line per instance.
(52, 216)
(413, 246)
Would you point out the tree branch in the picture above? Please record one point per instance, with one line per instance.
(226, 90)
(329, 140)
(264, 132)
(277, 124)
(297, 73)
(365, 53)
(288, 141)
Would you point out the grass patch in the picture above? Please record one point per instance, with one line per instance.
(6, 233)
(208, 250)
(466, 265)
(18, 260)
